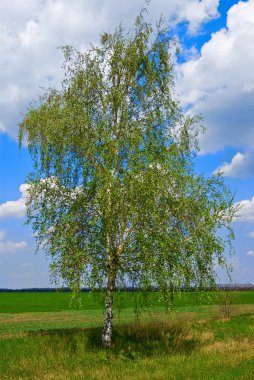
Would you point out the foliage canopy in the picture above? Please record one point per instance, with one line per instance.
(114, 198)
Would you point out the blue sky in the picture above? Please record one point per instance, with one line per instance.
(214, 77)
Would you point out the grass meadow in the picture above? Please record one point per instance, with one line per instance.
(43, 337)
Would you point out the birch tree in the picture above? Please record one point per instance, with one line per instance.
(114, 198)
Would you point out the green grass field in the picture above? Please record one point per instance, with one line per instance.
(41, 337)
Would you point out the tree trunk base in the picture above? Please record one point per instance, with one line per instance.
(106, 335)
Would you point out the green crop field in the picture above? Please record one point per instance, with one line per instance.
(43, 337)
(20, 302)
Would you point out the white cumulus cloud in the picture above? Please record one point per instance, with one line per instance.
(246, 212)
(220, 83)
(250, 253)
(15, 209)
(241, 165)
(10, 246)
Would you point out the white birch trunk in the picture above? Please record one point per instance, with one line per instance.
(106, 336)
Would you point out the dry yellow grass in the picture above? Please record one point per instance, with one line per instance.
(244, 347)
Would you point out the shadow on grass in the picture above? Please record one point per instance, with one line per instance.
(130, 341)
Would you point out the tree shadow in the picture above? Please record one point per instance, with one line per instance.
(130, 341)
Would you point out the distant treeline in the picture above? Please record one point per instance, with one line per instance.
(42, 290)
(238, 287)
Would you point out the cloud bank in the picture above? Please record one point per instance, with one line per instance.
(220, 83)
(31, 31)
